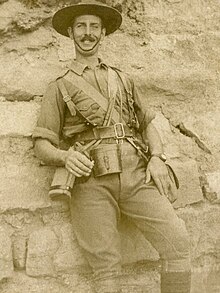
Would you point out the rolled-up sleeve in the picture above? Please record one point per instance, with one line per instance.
(142, 108)
(50, 121)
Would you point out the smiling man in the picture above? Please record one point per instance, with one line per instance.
(114, 151)
(87, 33)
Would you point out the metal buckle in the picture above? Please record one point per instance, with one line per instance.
(119, 130)
(67, 98)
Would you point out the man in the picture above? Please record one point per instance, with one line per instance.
(112, 176)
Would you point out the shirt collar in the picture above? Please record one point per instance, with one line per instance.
(79, 68)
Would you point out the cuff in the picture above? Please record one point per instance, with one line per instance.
(148, 117)
(40, 132)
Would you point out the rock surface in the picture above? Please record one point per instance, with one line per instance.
(171, 48)
(6, 260)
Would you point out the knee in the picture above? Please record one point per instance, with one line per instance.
(178, 257)
(180, 242)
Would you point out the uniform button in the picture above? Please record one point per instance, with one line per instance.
(87, 123)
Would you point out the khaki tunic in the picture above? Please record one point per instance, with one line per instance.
(56, 123)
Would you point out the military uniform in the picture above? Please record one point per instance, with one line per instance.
(56, 123)
(98, 202)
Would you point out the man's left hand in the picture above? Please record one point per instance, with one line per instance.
(157, 169)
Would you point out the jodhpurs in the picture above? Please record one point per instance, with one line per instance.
(97, 204)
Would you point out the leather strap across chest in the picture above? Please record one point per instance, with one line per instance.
(94, 94)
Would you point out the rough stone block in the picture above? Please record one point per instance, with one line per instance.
(24, 183)
(32, 41)
(21, 282)
(167, 136)
(6, 261)
(19, 249)
(24, 187)
(26, 116)
(53, 250)
(42, 246)
(205, 129)
(189, 191)
(28, 22)
(185, 169)
(202, 223)
(8, 12)
(212, 188)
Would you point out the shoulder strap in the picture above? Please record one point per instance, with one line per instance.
(70, 104)
(66, 97)
(94, 94)
(112, 93)
(124, 81)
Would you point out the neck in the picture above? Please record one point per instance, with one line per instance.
(91, 61)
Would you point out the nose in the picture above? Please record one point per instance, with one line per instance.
(88, 30)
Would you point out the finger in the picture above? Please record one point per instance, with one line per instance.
(77, 171)
(76, 174)
(148, 176)
(85, 161)
(165, 182)
(81, 166)
(73, 155)
(81, 161)
(159, 185)
(78, 167)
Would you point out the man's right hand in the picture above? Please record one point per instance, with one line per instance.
(77, 163)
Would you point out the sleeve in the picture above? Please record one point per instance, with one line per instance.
(142, 108)
(50, 122)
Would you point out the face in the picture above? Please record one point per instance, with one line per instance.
(87, 33)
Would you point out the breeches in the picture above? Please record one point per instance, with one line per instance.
(97, 204)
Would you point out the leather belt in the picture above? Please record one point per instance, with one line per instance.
(117, 131)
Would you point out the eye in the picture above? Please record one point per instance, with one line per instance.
(79, 25)
(95, 26)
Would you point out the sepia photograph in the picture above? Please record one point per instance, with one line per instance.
(110, 146)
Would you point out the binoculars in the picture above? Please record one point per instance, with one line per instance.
(62, 184)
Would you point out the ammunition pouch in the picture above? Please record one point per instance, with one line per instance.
(107, 159)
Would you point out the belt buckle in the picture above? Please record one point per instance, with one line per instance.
(119, 132)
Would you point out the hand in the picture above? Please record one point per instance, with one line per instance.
(78, 164)
(157, 169)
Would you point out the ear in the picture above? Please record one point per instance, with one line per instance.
(70, 32)
(103, 34)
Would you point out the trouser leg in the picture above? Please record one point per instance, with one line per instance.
(95, 217)
(153, 214)
(167, 233)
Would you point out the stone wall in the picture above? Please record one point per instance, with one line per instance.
(171, 47)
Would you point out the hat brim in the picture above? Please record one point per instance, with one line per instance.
(63, 18)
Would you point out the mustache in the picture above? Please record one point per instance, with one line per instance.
(88, 38)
